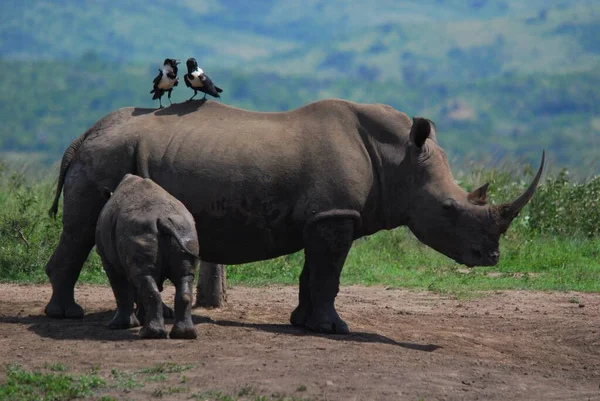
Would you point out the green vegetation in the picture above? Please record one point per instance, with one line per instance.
(552, 245)
(56, 367)
(167, 367)
(125, 380)
(37, 385)
(24, 385)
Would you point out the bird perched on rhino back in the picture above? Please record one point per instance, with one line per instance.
(197, 80)
(165, 81)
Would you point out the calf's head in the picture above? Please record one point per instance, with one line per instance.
(461, 225)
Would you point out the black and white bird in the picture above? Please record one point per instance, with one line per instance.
(199, 81)
(165, 81)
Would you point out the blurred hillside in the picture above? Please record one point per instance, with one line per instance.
(502, 79)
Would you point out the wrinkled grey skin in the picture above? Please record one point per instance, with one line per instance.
(143, 237)
(261, 185)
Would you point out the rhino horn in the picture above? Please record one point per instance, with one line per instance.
(511, 210)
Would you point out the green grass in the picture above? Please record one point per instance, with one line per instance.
(125, 380)
(24, 385)
(166, 367)
(553, 245)
(397, 259)
(50, 383)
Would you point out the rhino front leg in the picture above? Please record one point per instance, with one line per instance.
(183, 327)
(304, 309)
(149, 297)
(327, 244)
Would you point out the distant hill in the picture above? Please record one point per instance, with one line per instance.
(501, 78)
(412, 40)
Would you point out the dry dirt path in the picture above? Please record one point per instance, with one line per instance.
(405, 345)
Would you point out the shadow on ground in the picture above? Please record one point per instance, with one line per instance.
(94, 327)
(355, 336)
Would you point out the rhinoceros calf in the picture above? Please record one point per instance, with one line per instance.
(144, 236)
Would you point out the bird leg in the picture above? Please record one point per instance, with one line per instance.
(169, 96)
(195, 93)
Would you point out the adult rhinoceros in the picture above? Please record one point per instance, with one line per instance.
(261, 185)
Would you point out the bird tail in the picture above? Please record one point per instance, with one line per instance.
(219, 90)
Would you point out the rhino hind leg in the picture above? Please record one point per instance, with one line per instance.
(140, 313)
(149, 297)
(168, 312)
(82, 207)
(124, 296)
(63, 270)
(183, 327)
(327, 244)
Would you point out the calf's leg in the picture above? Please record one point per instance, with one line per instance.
(183, 326)
(125, 297)
(149, 296)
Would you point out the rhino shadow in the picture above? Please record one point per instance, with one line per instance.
(179, 109)
(93, 326)
(288, 329)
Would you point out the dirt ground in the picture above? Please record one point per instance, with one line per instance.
(405, 345)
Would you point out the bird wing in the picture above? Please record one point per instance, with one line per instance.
(157, 80)
(187, 81)
(209, 87)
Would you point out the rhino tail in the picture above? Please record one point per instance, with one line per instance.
(167, 227)
(67, 158)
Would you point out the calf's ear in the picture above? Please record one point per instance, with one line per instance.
(420, 131)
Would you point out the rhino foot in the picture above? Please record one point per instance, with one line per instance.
(66, 310)
(300, 316)
(123, 322)
(151, 332)
(183, 331)
(329, 326)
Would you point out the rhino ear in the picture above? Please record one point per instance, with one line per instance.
(479, 196)
(420, 131)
